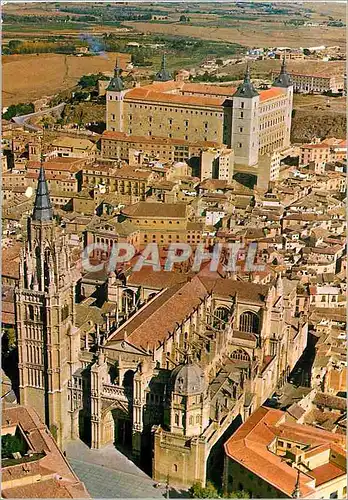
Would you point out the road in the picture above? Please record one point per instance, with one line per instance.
(21, 120)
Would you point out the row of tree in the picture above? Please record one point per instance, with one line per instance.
(40, 47)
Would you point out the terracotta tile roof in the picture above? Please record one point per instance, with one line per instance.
(157, 280)
(271, 93)
(56, 475)
(164, 86)
(330, 401)
(326, 472)
(144, 94)
(161, 210)
(10, 261)
(160, 92)
(122, 136)
(246, 291)
(51, 177)
(54, 166)
(249, 447)
(200, 88)
(315, 146)
(157, 319)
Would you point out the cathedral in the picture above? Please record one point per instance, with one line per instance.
(159, 363)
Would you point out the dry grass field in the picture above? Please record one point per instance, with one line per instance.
(29, 77)
(252, 33)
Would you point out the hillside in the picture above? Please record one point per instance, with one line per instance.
(306, 125)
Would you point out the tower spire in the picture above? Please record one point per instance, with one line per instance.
(116, 83)
(163, 75)
(247, 73)
(297, 492)
(246, 88)
(283, 79)
(117, 69)
(42, 207)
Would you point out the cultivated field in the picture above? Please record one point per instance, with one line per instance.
(29, 77)
(251, 33)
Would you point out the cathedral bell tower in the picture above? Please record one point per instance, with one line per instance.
(44, 302)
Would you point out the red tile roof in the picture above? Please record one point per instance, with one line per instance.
(271, 93)
(326, 472)
(144, 94)
(153, 323)
(249, 447)
(57, 479)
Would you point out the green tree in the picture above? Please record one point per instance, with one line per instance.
(87, 81)
(237, 494)
(18, 110)
(11, 444)
(197, 491)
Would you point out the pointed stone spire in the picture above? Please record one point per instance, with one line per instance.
(297, 492)
(246, 88)
(283, 79)
(163, 75)
(116, 83)
(43, 211)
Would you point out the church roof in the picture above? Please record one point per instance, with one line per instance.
(283, 79)
(246, 88)
(42, 207)
(163, 75)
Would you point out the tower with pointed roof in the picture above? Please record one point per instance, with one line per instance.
(115, 93)
(284, 81)
(163, 75)
(244, 131)
(45, 313)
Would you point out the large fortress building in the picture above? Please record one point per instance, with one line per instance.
(249, 121)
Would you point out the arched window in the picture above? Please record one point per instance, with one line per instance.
(249, 322)
(128, 300)
(128, 379)
(38, 263)
(176, 419)
(175, 468)
(65, 312)
(220, 316)
(31, 312)
(240, 354)
(47, 269)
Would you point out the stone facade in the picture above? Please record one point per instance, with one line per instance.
(249, 124)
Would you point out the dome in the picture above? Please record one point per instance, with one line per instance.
(188, 379)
